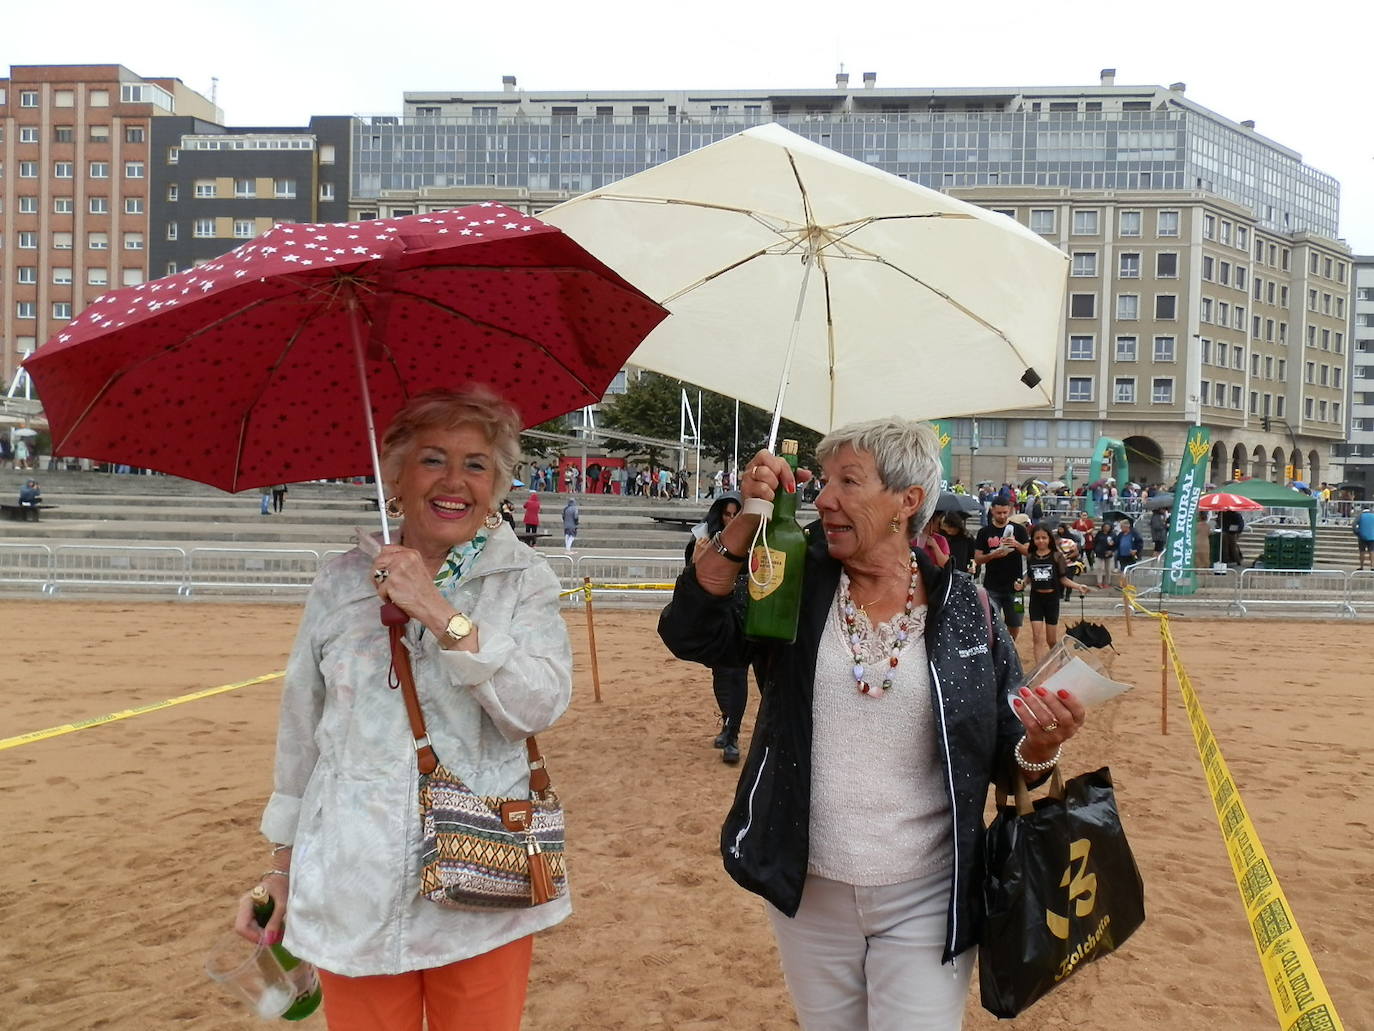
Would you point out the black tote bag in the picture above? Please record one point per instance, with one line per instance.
(1060, 890)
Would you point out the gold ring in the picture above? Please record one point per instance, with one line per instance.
(1050, 726)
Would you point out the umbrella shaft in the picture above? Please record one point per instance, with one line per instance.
(791, 350)
(367, 415)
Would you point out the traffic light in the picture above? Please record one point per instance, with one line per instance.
(1264, 423)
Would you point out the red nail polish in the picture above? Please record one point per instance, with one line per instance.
(1018, 703)
(1063, 694)
(1042, 692)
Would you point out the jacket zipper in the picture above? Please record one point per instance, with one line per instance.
(749, 808)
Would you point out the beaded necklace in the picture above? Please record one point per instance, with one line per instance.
(856, 639)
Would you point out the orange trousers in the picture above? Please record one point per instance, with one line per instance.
(484, 993)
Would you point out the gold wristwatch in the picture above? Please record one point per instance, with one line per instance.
(457, 628)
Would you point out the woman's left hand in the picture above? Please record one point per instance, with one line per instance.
(1050, 719)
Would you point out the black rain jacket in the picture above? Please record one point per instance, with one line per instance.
(765, 838)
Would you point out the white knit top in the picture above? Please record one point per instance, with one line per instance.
(879, 810)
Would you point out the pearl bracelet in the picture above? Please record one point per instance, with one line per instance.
(1030, 767)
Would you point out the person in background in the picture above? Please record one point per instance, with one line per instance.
(1364, 535)
(999, 549)
(532, 513)
(29, 494)
(1128, 544)
(507, 512)
(265, 502)
(1073, 555)
(859, 811)
(571, 517)
(1048, 571)
(279, 498)
(960, 543)
(1232, 526)
(1159, 528)
(932, 541)
(1104, 548)
(492, 666)
(730, 684)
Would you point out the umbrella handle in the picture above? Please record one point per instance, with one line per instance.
(393, 615)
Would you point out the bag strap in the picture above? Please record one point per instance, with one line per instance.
(425, 759)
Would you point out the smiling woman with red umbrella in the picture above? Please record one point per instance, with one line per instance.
(492, 665)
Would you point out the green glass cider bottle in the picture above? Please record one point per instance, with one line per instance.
(307, 981)
(775, 571)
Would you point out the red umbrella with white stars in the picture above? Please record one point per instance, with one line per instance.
(274, 362)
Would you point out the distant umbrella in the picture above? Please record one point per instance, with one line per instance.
(951, 502)
(1159, 501)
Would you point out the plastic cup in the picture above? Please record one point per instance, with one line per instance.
(251, 974)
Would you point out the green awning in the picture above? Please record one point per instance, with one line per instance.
(1271, 495)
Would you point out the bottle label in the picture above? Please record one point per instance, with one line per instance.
(765, 578)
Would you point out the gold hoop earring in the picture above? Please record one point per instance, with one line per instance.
(393, 507)
(896, 525)
(492, 521)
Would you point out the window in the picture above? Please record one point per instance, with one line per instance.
(98, 205)
(1254, 364)
(1239, 322)
(98, 241)
(243, 228)
(206, 188)
(171, 230)
(1085, 223)
(1080, 388)
(1128, 306)
(1166, 223)
(994, 432)
(203, 227)
(1282, 405)
(26, 310)
(62, 206)
(28, 170)
(100, 169)
(284, 189)
(1082, 306)
(170, 269)
(1243, 238)
(133, 205)
(1283, 368)
(1164, 349)
(1240, 277)
(28, 205)
(98, 133)
(1076, 433)
(1306, 407)
(1225, 232)
(1338, 343)
(1285, 255)
(1035, 433)
(28, 98)
(99, 98)
(1326, 339)
(133, 134)
(1209, 227)
(1130, 223)
(1084, 264)
(326, 153)
(1315, 263)
(1127, 349)
(1082, 348)
(1128, 266)
(1283, 297)
(1238, 357)
(1204, 393)
(62, 277)
(1042, 220)
(1236, 393)
(28, 134)
(1223, 353)
(1324, 375)
(1166, 307)
(133, 170)
(62, 241)
(172, 191)
(1205, 310)
(1321, 410)
(1207, 266)
(1255, 326)
(133, 241)
(1123, 390)
(1224, 273)
(326, 191)
(131, 276)
(1254, 402)
(27, 274)
(1205, 350)
(62, 309)
(1166, 265)
(28, 241)
(173, 155)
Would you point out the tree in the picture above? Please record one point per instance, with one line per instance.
(537, 447)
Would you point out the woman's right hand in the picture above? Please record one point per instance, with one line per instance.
(247, 925)
(765, 475)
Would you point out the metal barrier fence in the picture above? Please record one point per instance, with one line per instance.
(239, 568)
(27, 564)
(1237, 591)
(628, 569)
(1360, 589)
(1294, 588)
(97, 565)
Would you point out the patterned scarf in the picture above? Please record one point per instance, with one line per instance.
(460, 558)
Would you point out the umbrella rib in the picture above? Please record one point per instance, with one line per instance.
(829, 338)
(502, 329)
(684, 202)
(714, 275)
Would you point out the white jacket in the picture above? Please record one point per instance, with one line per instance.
(345, 780)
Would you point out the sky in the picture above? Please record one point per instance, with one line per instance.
(1302, 77)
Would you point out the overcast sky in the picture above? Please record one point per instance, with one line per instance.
(1300, 72)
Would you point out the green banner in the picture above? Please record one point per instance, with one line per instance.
(1179, 557)
(945, 432)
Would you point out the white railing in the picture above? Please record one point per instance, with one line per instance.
(98, 565)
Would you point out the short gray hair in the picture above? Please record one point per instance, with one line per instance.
(474, 405)
(906, 452)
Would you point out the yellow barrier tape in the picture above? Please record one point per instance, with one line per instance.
(124, 714)
(616, 587)
(1301, 1001)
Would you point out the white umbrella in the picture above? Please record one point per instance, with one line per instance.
(880, 296)
(24, 431)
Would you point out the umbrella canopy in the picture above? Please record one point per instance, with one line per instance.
(775, 253)
(951, 502)
(1159, 501)
(1271, 495)
(24, 431)
(1227, 503)
(272, 363)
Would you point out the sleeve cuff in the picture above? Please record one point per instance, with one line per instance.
(279, 819)
(472, 668)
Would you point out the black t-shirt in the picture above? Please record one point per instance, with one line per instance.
(1001, 574)
(1045, 570)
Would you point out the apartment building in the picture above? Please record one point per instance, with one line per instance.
(1208, 284)
(74, 196)
(1358, 451)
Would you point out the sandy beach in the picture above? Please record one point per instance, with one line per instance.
(126, 844)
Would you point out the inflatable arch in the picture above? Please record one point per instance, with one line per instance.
(1120, 470)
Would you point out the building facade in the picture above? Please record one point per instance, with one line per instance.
(1358, 452)
(74, 195)
(1207, 281)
